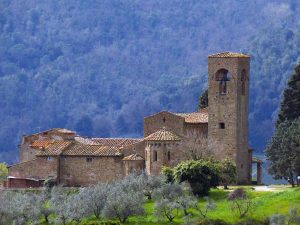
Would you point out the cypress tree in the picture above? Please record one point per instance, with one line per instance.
(203, 100)
(290, 105)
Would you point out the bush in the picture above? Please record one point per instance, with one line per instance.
(201, 174)
(240, 202)
(168, 173)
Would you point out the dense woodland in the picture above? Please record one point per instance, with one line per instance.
(99, 67)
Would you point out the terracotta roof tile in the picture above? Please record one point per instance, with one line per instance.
(78, 149)
(195, 117)
(41, 143)
(228, 55)
(133, 157)
(119, 142)
(87, 141)
(55, 148)
(163, 135)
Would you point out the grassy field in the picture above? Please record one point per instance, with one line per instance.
(266, 203)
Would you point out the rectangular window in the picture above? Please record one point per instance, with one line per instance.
(89, 159)
(222, 125)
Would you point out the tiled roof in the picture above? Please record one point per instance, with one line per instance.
(55, 148)
(41, 144)
(78, 149)
(83, 140)
(133, 157)
(119, 142)
(163, 135)
(195, 117)
(228, 55)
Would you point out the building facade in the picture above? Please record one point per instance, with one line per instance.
(220, 131)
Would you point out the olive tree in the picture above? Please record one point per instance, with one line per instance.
(240, 202)
(94, 198)
(121, 204)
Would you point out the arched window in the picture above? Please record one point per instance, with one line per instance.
(164, 120)
(169, 155)
(154, 156)
(223, 76)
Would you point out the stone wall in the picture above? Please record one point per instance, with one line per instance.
(169, 153)
(232, 110)
(163, 119)
(41, 168)
(138, 148)
(76, 171)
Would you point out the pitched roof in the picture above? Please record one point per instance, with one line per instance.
(133, 157)
(41, 144)
(78, 149)
(195, 117)
(84, 140)
(119, 142)
(55, 148)
(228, 55)
(163, 135)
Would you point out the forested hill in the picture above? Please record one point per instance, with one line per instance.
(99, 67)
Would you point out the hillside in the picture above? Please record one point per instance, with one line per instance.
(99, 67)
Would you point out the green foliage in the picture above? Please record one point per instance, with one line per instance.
(203, 100)
(98, 55)
(290, 104)
(201, 175)
(283, 151)
(227, 169)
(168, 173)
(3, 172)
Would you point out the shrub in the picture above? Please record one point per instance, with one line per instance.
(168, 173)
(201, 174)
(227, 172)
(100, 223)
(240, 202)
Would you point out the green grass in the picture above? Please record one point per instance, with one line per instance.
(266, 203)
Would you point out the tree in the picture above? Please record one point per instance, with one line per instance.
(201, 175)
(3, 172)
(283, 151)
(94, 198)
(150, 183)
(166, 208)
(203, 100)
(121, 204)
(227, 172)
(167, 201)
(240, 202)
(290, 104)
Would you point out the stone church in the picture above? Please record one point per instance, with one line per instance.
(221, 131)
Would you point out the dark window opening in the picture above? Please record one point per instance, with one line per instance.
(242, 166)
(223, 76)
(222, 125)
(49, 158)
(155, 156)
(89, 159)
(169, 156)
(243, 75)
(222, 87)
(243, 88)
(164, 119)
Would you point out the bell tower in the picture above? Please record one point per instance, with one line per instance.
(228, 97)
